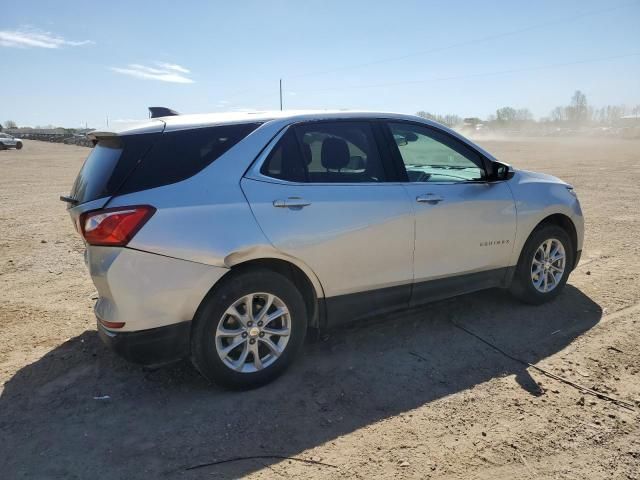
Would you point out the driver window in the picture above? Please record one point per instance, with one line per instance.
(432, 156)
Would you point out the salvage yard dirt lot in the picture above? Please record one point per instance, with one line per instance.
(406, 396)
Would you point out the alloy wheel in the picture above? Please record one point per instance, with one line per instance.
(253, 332)
(548, 265)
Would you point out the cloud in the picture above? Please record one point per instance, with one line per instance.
(33, 38)
(173, 66)
(164, 72)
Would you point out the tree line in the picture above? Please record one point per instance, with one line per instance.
(576, 114)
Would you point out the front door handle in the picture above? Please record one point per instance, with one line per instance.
(429, 198)
(291, 202)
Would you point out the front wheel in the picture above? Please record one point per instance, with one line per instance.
(544, 265)
(18, 145)
(249, 329)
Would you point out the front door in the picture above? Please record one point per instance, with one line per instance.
(465, 225)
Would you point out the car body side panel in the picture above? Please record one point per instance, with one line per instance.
(537, 197)
(146, 290)
(354, 237)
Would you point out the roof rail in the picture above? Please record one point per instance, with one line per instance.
(155, 112)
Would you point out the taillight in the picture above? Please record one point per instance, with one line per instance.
(114, 226)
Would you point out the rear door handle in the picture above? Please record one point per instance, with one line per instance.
(291, 202)
(429, 198)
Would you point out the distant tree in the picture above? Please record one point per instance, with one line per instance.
(448, 119)
(558, 114)
(506, 114)
(524, 115)
(10, 124)
(579, 109)
(0, 127)
(511, 117)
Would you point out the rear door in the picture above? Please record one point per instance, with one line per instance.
(465, 224)
(322, 195)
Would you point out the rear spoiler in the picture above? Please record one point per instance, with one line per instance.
(155, 112)
(128, 128)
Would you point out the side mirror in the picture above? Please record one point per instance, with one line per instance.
(401, 141)
(500, 171)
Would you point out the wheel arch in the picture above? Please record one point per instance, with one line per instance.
(563, 221)
(299, 273)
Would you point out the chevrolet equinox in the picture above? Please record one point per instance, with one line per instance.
(224, 237)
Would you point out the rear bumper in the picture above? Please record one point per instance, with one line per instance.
(146, 291)
(152, 346)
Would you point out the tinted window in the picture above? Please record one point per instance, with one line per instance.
(285, 161)
(176, 156)
(109, 164)
(432, 156)
(324, 152)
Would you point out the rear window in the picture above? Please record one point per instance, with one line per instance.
(131, 163)
(109, 164)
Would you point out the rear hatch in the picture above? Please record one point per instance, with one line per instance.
(110, 162)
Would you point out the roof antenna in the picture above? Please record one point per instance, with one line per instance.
(155, 112)
(280, 94)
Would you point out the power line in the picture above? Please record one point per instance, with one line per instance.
(452, 46)
(466, 42)
(476, 75)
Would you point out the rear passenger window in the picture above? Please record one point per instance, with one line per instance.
(327, 152)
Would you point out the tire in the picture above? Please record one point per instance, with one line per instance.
(18, 145)
(523, 286)
(214, 325)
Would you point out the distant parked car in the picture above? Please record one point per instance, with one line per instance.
(8, 141)
(222, 237)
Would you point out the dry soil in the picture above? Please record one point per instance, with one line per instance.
(406, 396)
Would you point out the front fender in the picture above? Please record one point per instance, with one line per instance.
(538, 197)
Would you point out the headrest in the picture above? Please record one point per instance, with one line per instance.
(306, 151)
(335, 153)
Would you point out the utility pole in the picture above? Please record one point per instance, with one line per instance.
(280, 94)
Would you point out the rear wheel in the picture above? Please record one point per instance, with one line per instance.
(249, 329)
(18, 145)
(544, 265)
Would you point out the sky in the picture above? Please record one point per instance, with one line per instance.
(73, 63)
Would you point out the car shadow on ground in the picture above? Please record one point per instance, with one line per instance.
(80, 411)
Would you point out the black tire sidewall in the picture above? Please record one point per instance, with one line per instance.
(522, 285)
(19, 146)
(203, 347)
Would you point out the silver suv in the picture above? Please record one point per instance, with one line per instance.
(224, 237)
(9, 141)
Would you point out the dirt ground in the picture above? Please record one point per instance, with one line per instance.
(407, 396)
